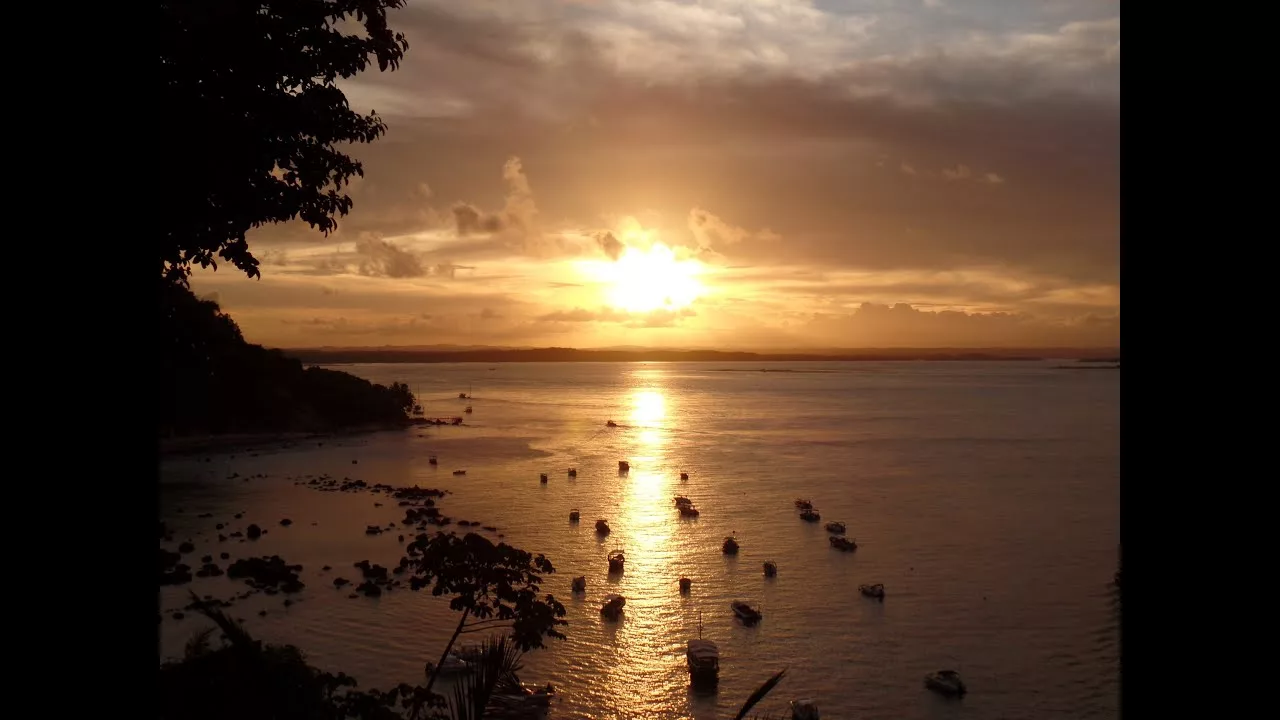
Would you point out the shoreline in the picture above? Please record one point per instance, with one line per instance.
(192, 444)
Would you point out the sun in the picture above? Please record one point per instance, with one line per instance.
(644, 280)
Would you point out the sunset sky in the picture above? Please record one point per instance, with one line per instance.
(747, 174)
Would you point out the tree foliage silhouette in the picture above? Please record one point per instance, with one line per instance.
(255, 118)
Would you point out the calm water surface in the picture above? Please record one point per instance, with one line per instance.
(983, 495)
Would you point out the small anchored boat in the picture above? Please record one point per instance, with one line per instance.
(810, 515)
(468, 410)
(844, 544)
(770, 568)
(459, 472)
(835, 527)
(611, 424)
(617, 561)
(574, 515)
(682, 500)
(602, 527)
(689, 511)
(624, 466)
(730, 546)
(613, 605)
(432, 460)
(573, 472)
(684, 476)
(802, 504)
(685, 584)
(946, 682)
(451, 665)
(747, 614)
(703, 659)
(873, 591)
(804, 710)
(579, 584)
(542, 478)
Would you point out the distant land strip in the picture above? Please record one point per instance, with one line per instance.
(336, 356)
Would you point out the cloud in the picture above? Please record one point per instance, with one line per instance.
(654, 319)
(901, 325)
(380, 258)
(960, 172)
(610, 245)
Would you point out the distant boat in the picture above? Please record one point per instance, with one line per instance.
(459, 472)
(468, 410)
(542, 478)
(844, 544)
(579, 584)
(611, 424)
(602, 527)
(685, 584)
(873, 591)
(946, 682)
(613, 605)
(617, 561)
(703, 659)
(804, 710)
(689, 511)
(770, 568)
(835, 527)
(810, 515)
(730, 546)
(573, 515)
(573, 472)
(747, 614)
(624, 466)
(684, 476)
(432, 460)
(802, 504)
(682, 501)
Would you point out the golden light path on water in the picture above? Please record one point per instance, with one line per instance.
(645, 660)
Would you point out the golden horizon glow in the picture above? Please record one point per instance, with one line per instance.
(648, 276)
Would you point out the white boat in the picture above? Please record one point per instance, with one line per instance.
(703, 658)
(945, 682)
(804, 710)
(613, 605)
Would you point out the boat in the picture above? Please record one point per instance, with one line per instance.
(685, 584)
(770, 568)
(804, 710)
(747, 614)
(579, 584)
(730, 546)
(468, 410)
(613, 605)
(542, 478)
(459, 472)
(835, 527)
(844, 544)
(573, 472)
(518, 699)
(684, 476)
(624, 466)
(617, 561)
(451, 665)
(682, 500)
(810, 515)
(574, 515)
(432, 460)
(689, 511)
(602, 527)
(873, 591)
(946, 682)
(611, 424)
(802, 504)
(462, 396)
(703, 658)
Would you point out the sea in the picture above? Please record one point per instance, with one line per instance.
(984, 496)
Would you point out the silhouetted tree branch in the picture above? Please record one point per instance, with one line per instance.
(251, 110)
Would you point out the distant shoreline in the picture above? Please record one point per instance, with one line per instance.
(325, 356)
(193, 444)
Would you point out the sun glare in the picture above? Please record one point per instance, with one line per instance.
(644, 280)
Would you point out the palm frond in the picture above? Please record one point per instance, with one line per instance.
(759, 694)
(236, 635)
(498, 663)
(198, 644)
